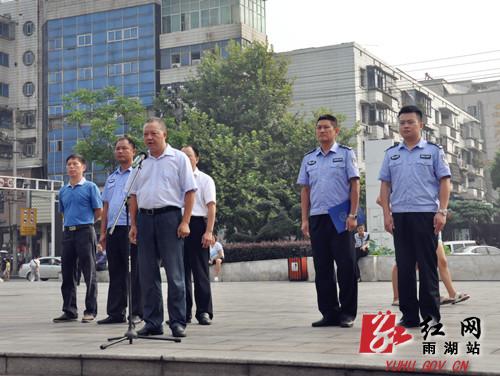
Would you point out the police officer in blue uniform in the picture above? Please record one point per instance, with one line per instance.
(414, 193)
(329, 176)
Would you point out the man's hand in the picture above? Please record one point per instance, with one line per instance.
(183, 230)
(439, 222)
(351, 223)
(132, 235)
(388, 223)
(207, 239)
(102, 240)
(305, 229)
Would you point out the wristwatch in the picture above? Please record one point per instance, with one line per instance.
(354, 216)
(443, 212)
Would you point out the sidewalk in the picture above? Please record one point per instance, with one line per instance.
(259, 328)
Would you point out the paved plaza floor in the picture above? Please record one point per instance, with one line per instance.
(255, 323)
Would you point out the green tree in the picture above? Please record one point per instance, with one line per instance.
(471, 215)
(495, 171)
(99, 115)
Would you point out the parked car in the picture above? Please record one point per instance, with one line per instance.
(50, 267)
(478, 250)
(455, 245)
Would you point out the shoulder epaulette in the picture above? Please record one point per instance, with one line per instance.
(436, 145)
(345, 147)
(393, 146)
(310, 151)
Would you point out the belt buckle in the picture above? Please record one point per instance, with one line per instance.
(72, 228)
(150, 211)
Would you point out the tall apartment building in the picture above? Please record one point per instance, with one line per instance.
(349, 80)
(481, 100)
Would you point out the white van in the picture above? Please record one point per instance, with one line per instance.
(458, 244)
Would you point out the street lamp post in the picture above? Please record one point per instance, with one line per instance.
(14, 205)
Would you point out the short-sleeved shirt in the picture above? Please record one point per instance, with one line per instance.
(414, 176)
(78, 202)
(205, 193)
(163, 181)
(328, 176)
(361, 241)
(114, 194)
(215, 249)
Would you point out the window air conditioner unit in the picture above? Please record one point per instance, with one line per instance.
(176, 65)
(195, 61)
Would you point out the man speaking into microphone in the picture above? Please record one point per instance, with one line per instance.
(116, 245)
(163, 186)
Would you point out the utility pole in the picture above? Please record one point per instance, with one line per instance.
(14, 204)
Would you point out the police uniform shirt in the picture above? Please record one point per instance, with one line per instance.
(328, 176)
(114, 194)
(163, 181)
(414, 176)
(78, 202)
(205, 193)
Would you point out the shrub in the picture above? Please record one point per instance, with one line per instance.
(237, 252)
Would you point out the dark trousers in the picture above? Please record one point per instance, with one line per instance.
(79, 246)
(157, 241)
(328, 247)
(196, 264)
(415, 242)
(117, 253)
(359, 253)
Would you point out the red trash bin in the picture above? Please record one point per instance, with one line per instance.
(297, 268)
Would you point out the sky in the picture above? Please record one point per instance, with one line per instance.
(398, 32)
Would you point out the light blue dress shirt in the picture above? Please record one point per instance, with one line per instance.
(114, 194)
(328, 176)
(414, 176)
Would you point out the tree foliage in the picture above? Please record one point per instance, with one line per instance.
(495, 171)
(100, 116)
(469, 214)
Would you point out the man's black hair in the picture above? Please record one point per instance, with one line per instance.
(76, 156)
(126, 137)
(411, 110)
(195, 149)
(327, 117)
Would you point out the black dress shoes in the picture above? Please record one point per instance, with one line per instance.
(408, 324)
(111, 320)
(178, 330)
(147, 331)
(204, 319)
(325, 322)
(346, 323)
(65, 318)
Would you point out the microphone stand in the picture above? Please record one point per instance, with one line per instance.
(131, 333)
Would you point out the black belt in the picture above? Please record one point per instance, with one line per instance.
(198, 217)
(77, 227)
(158, 210)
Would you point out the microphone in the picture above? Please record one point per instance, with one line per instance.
(138, 159)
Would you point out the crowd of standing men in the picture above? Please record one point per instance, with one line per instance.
(172, 215)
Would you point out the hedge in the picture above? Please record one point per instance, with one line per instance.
(237, 252)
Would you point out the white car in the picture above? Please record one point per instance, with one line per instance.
(50, 268)
(478, 250)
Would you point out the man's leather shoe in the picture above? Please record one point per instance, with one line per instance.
(408, 324)
(178, 330)
(147, 331)
(346, 323)
(325, 322)
(204, 319)
(65, 318)
(111, 320)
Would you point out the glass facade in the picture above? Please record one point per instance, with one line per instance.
(92, 51)
(183, 15)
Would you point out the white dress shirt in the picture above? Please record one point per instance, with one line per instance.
(204, 195)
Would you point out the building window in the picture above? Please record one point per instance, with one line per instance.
(4, 90)
(55, 145)
(123, 68)
(472, 110)
(55, 110)
(55, 44)
(175, 60)
(55, 77)
(4, 59)
(114, 69)
(28, 89)
(362, 77)
(28, 119)
(28, 58)
(6, 30)
(55, 123)
(130, 67)
(29, 149)
(85, 73)
(28, 28)
(114, 35)
(84, 40)
(130, 33)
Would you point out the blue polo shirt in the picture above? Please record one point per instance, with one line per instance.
(114, 194)
(78, 203)
(414, 176)
(328, 176)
